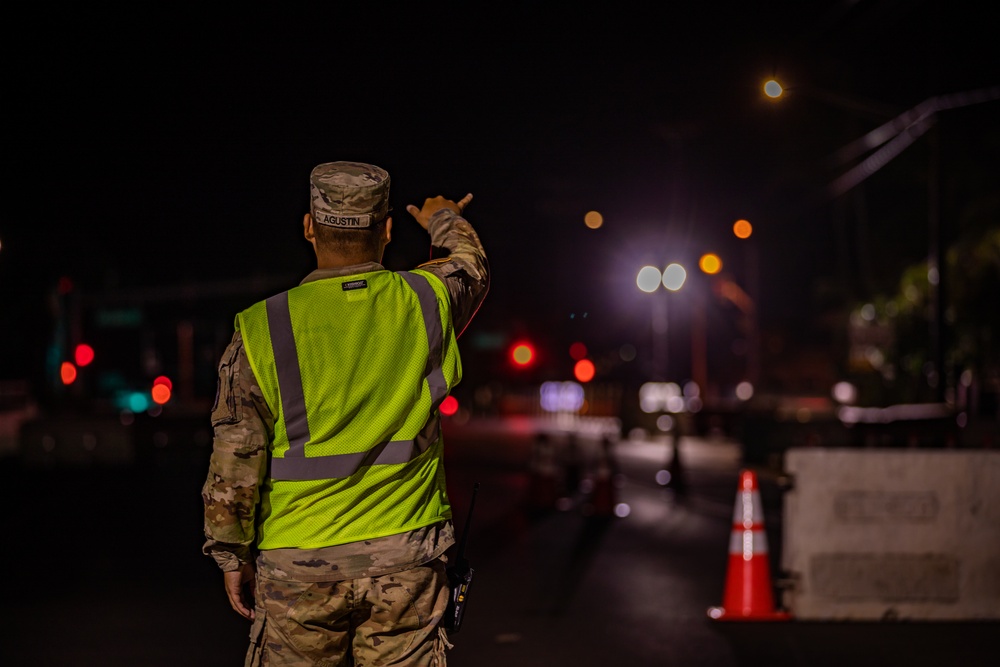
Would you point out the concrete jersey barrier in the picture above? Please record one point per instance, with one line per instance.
(892, 534)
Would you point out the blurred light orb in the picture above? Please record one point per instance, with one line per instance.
(593, 219)
(648, 279)
(742, 229)
(710, 263)
(577, 351)
(674, 276)
(868, 312)
(584, 370)
(845, 392)
(773, 89)
(622, 510)
(744, 391)
(561, 396)
(662, 477)
(665, 423)
(933, 275)
(137, 402)
(67, 372)
(522, 354)
(675, 404)
(83, 354)
(692, 389)
(160, 393)
(627, 352)
(449, 406)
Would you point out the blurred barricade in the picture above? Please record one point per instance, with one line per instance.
(874, 534)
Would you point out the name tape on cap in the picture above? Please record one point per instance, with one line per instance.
(347, 221)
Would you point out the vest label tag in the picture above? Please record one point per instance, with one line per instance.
(354, 284)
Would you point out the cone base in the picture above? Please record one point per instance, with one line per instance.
(720, 614)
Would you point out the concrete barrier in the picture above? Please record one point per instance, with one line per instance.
(892, 534)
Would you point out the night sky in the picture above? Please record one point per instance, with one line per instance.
(166, 147)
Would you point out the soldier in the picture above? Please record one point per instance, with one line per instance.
(325, 492)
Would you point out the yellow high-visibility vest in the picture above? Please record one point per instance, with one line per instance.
(353, 369)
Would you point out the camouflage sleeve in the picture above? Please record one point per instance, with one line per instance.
(243, 426)
(464, 269)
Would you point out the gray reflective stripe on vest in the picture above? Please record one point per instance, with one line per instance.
(295, 465)
(435, 337)
(342, 465)
(286, 363)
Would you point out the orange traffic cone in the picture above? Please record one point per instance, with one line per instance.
(748, 595)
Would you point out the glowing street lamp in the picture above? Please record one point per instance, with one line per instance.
(648, 279)
(674, 276)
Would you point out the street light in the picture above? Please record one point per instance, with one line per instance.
(649, 280)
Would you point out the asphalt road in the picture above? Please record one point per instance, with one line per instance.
(103, 567)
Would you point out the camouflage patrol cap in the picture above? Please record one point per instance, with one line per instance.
(348, 195)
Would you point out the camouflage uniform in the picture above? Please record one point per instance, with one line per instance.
(312, 604)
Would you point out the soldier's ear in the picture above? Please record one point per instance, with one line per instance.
(307, 229)
(388, 229)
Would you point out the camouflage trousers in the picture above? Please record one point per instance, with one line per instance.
(391, 619)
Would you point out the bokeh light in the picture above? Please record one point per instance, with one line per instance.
(593, 219)
(67, 372)
(83, 354)
(773, 89)
(449, 406)
(743, 229)
(673, 277)
(522, 354)
(845, 392)
(160, 394)
(744, 391)
(137, 401)
(584, 370)
(577, 351)
(560, 396)
(710, 263)
(648, 279)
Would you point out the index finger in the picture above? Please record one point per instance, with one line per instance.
(463, 202)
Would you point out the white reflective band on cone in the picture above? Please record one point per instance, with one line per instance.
(748, 510)
(747, 543)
